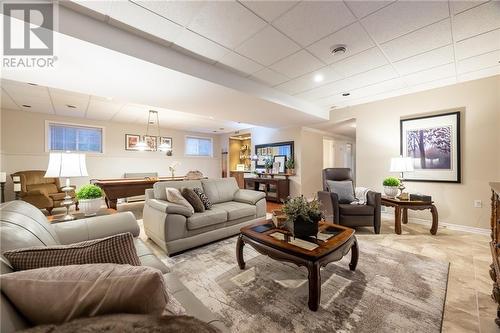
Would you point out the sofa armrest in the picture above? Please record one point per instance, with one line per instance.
(329, 205)
(96, 227)
(248, 196)
(169, 207)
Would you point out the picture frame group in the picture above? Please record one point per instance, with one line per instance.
(152, 142)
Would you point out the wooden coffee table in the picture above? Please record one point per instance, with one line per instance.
(401, 208)
(308, 252)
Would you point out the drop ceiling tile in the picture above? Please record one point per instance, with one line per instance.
(361, 62)
(297, 64)
(437, 57)
(489, 59)
(403, 17)
(38, 106)
(460, 6)
(240, 63)
(363, 8)
(484, 43)
(270, 77)
(378, 88)
(268, 10)
(102, 109)
(140, 18)
(328, 90)
(267, 46)
(432, 84)
(491, 71)
(19, 90)
(429, 75)
(200, 45)
(373, 76)
(131, 113)
(181, 12)
(103, 7)
(477, 20)
(7, 102)
(64, 100)
(419, 41)
(227, 23)
(308, 82)
(353, 37)
(310, 21)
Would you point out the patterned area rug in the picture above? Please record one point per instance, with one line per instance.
(390, 291)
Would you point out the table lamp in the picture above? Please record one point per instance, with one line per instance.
(66, 165)
(401, 164)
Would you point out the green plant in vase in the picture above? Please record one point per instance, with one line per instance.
(89, 199)
(268, 164)
(302, 216)
(290, 165)
(391, 186)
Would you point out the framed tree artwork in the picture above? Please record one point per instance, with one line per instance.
(433, 143)
(151, 141)
(131, 141)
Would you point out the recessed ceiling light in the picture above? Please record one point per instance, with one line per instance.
(71, 106)
(346, 94)
(318, 78)
(26, 106)
(221, 128)
(338, 49)
(210, 117)
(32, 84)
(214, 131)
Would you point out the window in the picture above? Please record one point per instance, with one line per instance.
(196, 146)
(70, 137)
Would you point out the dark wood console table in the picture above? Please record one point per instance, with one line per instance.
(401, 208)
(495, 245)
(276, 186)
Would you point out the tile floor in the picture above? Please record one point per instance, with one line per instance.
(469, 307)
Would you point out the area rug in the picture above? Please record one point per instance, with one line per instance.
(390, 291)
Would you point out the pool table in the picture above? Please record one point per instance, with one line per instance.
(127, 187)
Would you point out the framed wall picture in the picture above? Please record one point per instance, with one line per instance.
(281, 159)
(166, 140)
(273, 149)
(433, 143)
(151, 141)
(131, 141)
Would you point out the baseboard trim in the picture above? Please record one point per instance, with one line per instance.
(451, 226)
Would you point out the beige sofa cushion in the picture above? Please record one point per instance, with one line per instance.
(60, 294)
(175, 196)
(237, 210)
(220, 190)
(208, 217)
(118, 249)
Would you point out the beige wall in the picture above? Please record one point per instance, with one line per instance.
(23, 148)
(377, 141)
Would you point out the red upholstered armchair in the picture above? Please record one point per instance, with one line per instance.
(345, 213)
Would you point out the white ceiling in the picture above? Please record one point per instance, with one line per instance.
(34, 98)
(393, 47)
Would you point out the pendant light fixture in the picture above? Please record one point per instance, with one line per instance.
(142, 145)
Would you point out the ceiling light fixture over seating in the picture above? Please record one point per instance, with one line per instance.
(142, 145)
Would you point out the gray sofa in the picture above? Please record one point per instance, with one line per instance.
(23, 225)
(174, 228)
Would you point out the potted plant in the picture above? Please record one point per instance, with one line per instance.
(391, 186)
(89, 199)
(290, 165)
(268, 164)
(302, 216)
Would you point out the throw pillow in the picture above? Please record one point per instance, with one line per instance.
(343, 189)
(128, 323)
(175, 196)
(203, 197)
(117, 249)
(59, 294)
(193, 199)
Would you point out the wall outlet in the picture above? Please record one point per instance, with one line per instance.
(478, 204)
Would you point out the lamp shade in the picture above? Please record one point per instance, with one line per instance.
(401, 164)
(66, 165)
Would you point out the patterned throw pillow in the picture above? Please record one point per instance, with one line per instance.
(193, 199)
(118, 249)
(203, 197)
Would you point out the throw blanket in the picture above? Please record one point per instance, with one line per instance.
(360, 193)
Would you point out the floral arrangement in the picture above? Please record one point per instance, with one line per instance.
(300, 208)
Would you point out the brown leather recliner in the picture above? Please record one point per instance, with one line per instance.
(41, 192)
(347, 214)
